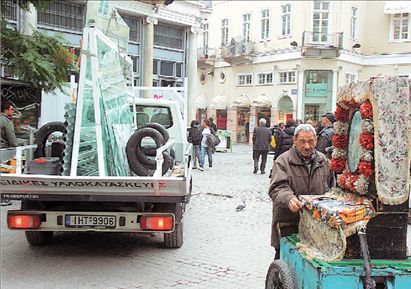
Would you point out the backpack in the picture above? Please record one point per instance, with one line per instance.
(196, 134)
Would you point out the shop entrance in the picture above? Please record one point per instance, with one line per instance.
(285, 109)
(264, 112)
(312, 112)
(243, 122)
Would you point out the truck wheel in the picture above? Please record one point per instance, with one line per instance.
(175, 239)
(43, 133)
(39, 238)
(279, 276)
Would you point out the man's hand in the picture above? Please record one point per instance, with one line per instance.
(294, 205)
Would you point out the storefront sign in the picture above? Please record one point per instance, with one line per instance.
(294, 91)
(316, 89)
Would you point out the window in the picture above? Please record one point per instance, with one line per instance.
(400, 26)
(158, 114)
(62, 15)
(135, 63)
(155, 66)
(224, 32)
(134, 24)
(286, 20)
(167, 68)
(265, 24)
(179, 68)
(320, 21)
(246, 27)
(354, 23)
(350, 77)
(168, 36)
(287, 77)
(103, 7)
(10, 10)
(205, 39)
(245, 79)
(265, 78)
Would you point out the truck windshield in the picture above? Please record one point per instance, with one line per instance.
(158, 114)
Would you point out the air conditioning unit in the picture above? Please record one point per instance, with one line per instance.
(247, 48)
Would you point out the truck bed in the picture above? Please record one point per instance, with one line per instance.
(61, 188)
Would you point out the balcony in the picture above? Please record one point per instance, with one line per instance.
(238, 52)
(317, 44)
(205, 57)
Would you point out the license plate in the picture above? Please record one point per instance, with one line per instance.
(89, 221)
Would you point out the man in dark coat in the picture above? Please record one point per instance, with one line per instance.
(7, 135)
(300, 171)
(285, 141)
(326, 133)
(261, 143)
(213, 126)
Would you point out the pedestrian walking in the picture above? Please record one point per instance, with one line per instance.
(285, 141)
(326, 133)
(213, 126)
(207, 144)
(261, 143)
(300, 171)
(194, 137)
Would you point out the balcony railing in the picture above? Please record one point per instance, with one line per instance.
(321, 44)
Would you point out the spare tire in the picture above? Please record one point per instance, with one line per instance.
(42, 135)
(161, 129)
(133, 148)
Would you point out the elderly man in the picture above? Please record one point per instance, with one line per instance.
(261, 145)
(300, 171)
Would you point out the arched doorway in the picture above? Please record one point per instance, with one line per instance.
(285, 109)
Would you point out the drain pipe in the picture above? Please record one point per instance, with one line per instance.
(369, 282)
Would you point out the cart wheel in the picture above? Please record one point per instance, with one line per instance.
(279, 276)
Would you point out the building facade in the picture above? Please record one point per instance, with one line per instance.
(162, 39)
(286, 59)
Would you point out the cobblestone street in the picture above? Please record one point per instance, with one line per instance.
(222, 248)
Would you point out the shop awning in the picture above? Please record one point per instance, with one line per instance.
(219, 102)
(242, 101)
(395, 7)
(262, 100)
(201, 101)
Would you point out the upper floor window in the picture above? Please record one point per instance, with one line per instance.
(400, 26)
(168, 36)
(205, 39)
(103, 7)
(265, 24)
(287, 77)
(245, 79)
(10, 10)
(246, 27)
(350, 78)
(62, 15)
(265, 78)
(134, 25)
(321, 21)
(354, 23)
(286, 20)
(224, 32)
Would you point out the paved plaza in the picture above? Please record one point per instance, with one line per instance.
(222, 248)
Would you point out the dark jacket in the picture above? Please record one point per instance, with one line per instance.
(190, 135)
(285, 141)
(261, 138)
(324, 139)
(290, 178)
(213, 126)
(7, 135)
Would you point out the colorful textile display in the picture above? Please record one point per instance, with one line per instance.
(372, 144)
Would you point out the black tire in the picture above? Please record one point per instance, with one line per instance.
(39, 238)
(43, 133)
(151, 133)
(279, 276)
(175, 239)
(161, 129)
(36, 238)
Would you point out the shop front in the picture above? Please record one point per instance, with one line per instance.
(285, 109)
(317, 93)
(260, 108)
(26, 101)
(238, 116)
